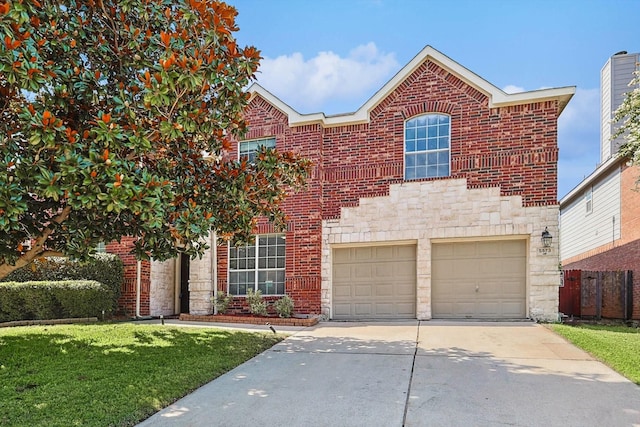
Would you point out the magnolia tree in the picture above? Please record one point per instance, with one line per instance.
(628, 114)
(115, 116)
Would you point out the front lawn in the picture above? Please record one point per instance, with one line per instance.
(616, 346)
(111, 374)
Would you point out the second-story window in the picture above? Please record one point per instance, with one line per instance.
(588, 200)
(248, 149)
(426, 146)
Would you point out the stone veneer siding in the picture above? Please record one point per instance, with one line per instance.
(163, 288)
(446, 210)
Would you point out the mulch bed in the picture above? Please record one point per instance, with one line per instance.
(250, 320)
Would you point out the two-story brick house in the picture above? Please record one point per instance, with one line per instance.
(427, 202)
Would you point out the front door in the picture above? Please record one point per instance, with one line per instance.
(184, 283)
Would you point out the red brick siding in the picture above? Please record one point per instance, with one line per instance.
(513, 147)
(304, 209)
(127, 301)
(630, 215)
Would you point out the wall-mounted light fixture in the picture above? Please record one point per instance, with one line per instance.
(547, 238)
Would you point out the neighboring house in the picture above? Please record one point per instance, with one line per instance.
(427, 202)
(600, 218)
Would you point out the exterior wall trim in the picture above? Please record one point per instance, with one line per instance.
(497, 97)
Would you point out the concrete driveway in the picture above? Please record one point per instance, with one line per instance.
(414, 374)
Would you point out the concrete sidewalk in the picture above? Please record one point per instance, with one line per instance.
(414, 374)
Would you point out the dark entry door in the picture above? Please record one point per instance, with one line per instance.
(184, 283)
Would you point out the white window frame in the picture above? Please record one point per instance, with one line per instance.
(263, 264)
(588, 201)
(247, 149)
(420, 134)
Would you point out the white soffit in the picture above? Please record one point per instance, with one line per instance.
(497, 97)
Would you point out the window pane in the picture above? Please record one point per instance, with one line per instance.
(421, 160)
(410, 133)
(432, 144)
(432, 171)
(433, 131)
(432, 120)
(443, 157)
(410, 173)
(443, 142)
(410, 146)
(411, 160)
(443, 130)
(422, 144)
(443, 119)
(443, 170)
(421, 121)
(422, 132)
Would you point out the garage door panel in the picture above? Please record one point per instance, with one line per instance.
(362, 254)
(363, 309)
(362, 291)
(342, 272)
(384, 290)
(405, 290)
(381, 282)
(342, 291)
(384, 253)
(479, 279)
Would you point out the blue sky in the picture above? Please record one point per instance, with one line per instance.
(333, 55)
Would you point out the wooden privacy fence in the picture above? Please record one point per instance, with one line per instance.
(597, 294)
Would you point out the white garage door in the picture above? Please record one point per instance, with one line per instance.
(377, 282)
(479, 279)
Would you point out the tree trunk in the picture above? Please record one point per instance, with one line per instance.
(37, 248)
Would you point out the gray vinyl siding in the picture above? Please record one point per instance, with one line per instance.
(581, 231)
(614, 83)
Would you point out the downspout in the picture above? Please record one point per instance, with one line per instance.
(214, 266)
(138, 287)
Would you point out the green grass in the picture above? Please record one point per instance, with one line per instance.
(111, 374)
(616, 346)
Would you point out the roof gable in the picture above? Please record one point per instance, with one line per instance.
(497, 97)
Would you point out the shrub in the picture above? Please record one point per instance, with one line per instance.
(51, 300)
(104, 268)
(284, 306)
(222, 302)
(257, 305)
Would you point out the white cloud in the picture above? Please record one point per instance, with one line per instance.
(307, 84)
(513, 89)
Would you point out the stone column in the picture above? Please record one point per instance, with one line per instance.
(201, 284)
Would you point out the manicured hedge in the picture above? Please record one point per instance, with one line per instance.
(53, 300)
(104, 268)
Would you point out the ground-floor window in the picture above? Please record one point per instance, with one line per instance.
(259, 266)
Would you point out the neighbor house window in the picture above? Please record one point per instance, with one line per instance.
(426, 146)
(258, 267)
(588, 200)
(248, 149)
(101, 248)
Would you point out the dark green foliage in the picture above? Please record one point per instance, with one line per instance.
(104, 268)
(53, 300)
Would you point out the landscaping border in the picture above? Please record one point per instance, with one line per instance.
(251, 320)
(48, 322)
